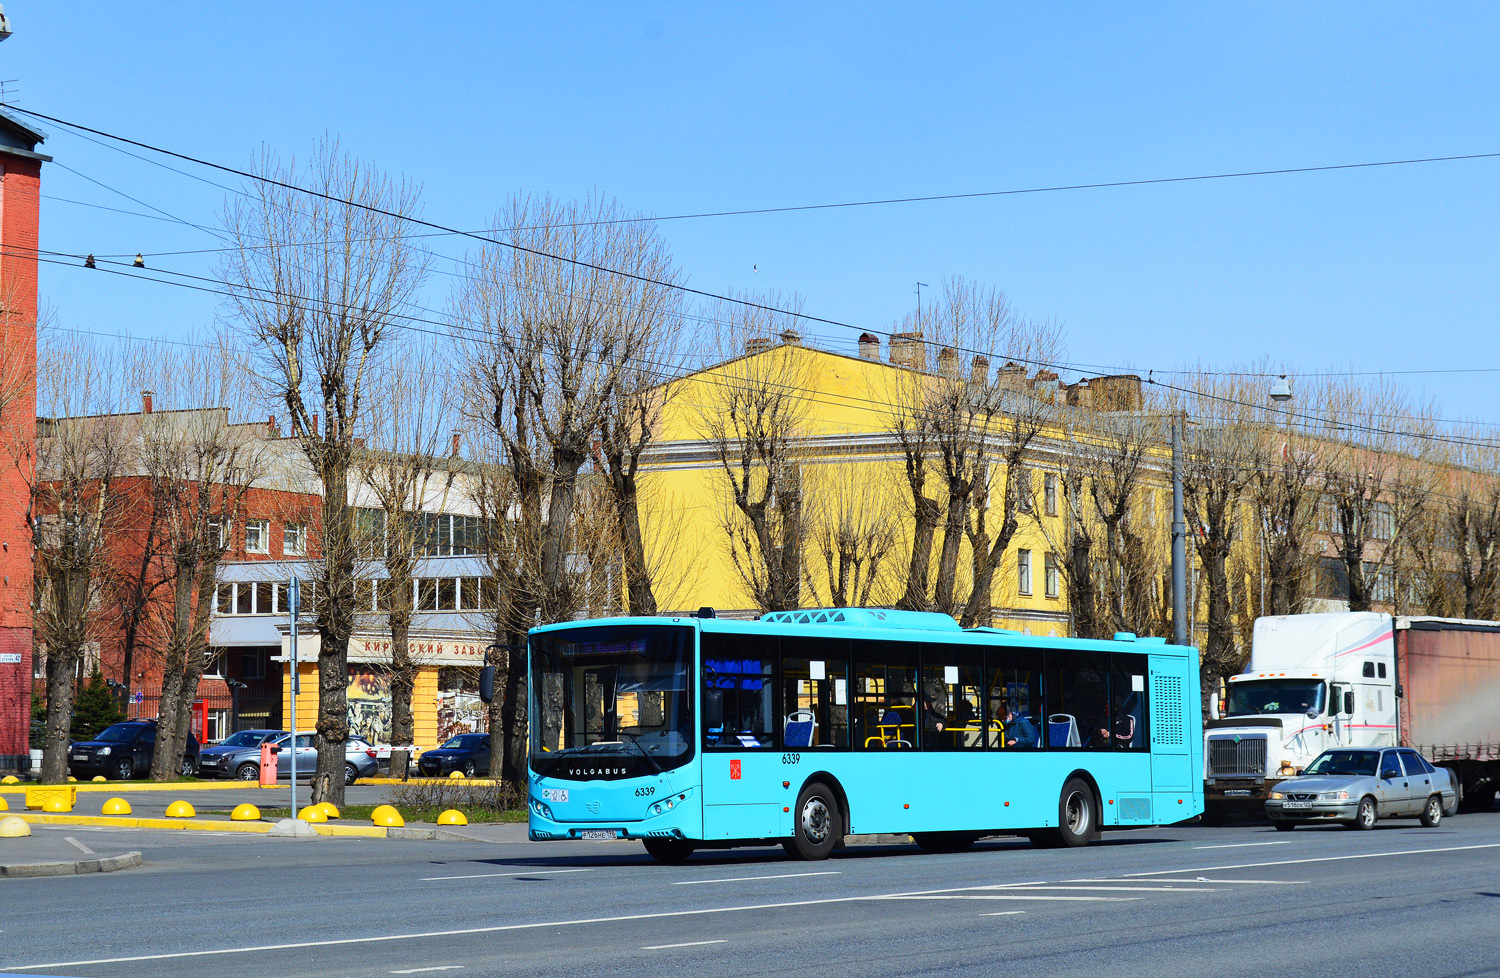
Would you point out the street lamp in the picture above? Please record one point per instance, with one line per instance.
(1281, 391)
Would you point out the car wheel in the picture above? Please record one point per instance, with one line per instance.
(351, 773)
(1432, 812)
(125, 770)
(469, 769)
(248, 772)
(668, 850)
(1364, 816)
(1284, 826)
(817, 825)
(187, 767)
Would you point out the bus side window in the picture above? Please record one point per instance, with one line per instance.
(814, 693)
(883, 702)
(1128, 699)
(951, 716)
(1077, 690)
(738, 669)
(1013, 680)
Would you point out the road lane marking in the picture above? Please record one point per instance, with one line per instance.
(663, 947)
(504, 928)
(484, 876)
(746, 879)
(1126, 889)
(1017, 896)
(1202, 879)
(1246, 845)
(1003, 913)
(79, 846)
(1318, 859)
(436, 967)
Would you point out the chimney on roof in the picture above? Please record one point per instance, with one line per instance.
(790, 337)
(271, 424)
(146, 397)
(980, 372)
(758, 344)
(909, 350)
(1011, 375)
(457, 440)
(948, 363)
(869, 346)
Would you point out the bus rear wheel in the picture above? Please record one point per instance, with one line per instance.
(817, 824)
(668, 850)
(1077, 818)
(944, 841)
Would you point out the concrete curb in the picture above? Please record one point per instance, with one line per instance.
(480, 782)
(217, 825)
(114, 787)
(103, 864)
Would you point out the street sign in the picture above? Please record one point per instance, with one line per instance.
(139, 697)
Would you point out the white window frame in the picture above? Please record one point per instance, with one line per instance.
(264, 526)
(1050, 575)
(1049, 493)
(213, 666)
(1023, 572)
(297, 531)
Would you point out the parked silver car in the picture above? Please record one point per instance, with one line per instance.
(1358, 786)
(360, 759)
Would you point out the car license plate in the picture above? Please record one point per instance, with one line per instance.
(80, 757)
(598, 834)
(1296, 804)
(1237, 792)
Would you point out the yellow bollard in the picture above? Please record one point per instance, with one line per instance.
(180, 809)
(328, 809)
(14, 827)
(387, 816)
(98, 778)
(3, 806)
(457, 775)
(71, 778)
(10, 779)
(452, 817)
(115, 806)
(57, 804)
(313, 813)
(245, 813)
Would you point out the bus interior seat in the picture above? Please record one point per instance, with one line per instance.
(801, 729)
(1125, 730)
(1062, 731)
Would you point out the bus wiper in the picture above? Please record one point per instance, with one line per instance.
(634, 741)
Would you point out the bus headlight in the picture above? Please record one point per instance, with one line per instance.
(541, 809)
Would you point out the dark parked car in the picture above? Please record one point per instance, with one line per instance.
(469, 753)
(123, 751)
(216, 761)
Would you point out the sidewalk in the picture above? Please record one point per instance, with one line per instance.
(56, 854)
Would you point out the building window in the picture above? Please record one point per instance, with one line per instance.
(1050, 579)
(294, 540)
(252, 664)
(213, 666)
(218, 530)
(217, 726)
(1023, 571)
(427, 594)
(282, 591)
(1023, 489)
(265, 598)
(1382, 522)
(1049, 492)
(447, 594)
(257, 537)
(244, 599)
(225, 599)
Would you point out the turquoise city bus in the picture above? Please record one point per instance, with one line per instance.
(806, 726)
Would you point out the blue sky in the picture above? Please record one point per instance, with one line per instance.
(693, 107)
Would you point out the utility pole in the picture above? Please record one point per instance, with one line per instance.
(1179, 539)
(294, 598)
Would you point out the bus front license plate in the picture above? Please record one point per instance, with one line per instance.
(598, 834)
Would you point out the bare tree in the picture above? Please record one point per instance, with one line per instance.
(1455, 546)
(561, 324)
(852, 519)
(200, 464)
(1284, 487)
(407, 473)
(752, 416)
(82, 450)
(319, 281)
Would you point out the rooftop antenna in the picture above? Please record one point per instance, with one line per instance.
(8, 94)
(919, 298)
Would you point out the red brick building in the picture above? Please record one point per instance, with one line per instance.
(20, 189)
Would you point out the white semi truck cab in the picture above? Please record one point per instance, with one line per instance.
(1314, 682)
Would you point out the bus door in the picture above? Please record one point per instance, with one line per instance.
(1171, 685)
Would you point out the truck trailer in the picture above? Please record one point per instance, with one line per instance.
(1355, 679)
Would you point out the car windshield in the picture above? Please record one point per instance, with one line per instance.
(120, 733)
(1256, 696)
(618, 690)
(464, 742)
(245, 738)
(1355, 762)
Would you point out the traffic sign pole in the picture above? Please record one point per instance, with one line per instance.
(294, 598)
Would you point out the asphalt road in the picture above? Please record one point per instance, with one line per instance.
(1174, 901)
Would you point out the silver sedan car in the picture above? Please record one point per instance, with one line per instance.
(1359, 786)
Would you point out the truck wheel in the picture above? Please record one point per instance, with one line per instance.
(944, 841)
(248, 772)
(1432, 812)
(668, 850)
(1077, 817)
(1364, 817)
(817, 824)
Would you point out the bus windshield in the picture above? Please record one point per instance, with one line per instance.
(618, 695)
(1274, 696)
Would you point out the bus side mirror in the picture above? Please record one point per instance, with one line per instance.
(1349, 702)
(713, 709)
(1213, 706)
(487, 684)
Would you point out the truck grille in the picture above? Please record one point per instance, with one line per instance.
(1228, 759)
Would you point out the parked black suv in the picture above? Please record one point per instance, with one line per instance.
(469, 753)
(123, 751)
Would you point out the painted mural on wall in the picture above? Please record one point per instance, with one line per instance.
(369, 704)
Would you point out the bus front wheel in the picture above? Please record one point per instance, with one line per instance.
(669, 850)
(818, 824)
(1077, 818)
